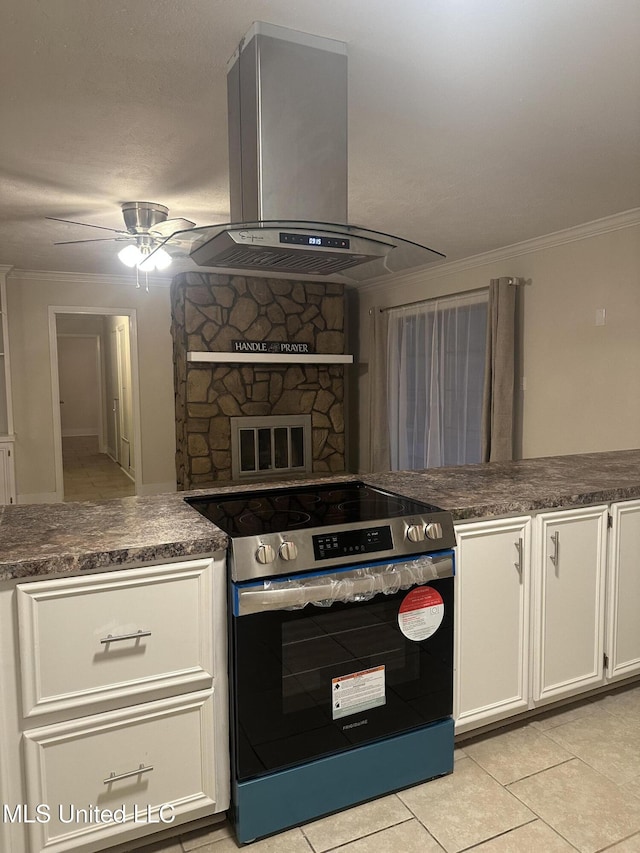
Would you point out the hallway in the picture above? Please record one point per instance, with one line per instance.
(90, 475)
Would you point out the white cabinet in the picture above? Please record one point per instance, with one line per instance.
(150, 763)
(568, 640)
(530, 610)
(87, 642)
(7, 478)
(623, 592)
(493, 571)
(113, 696)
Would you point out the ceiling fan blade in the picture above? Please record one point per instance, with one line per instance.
(170, 226)
(95, 240)
(85, 224)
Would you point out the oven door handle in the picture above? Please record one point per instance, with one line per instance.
(353, 586)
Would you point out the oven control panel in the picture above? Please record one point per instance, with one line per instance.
(274, 554)
(350, 543)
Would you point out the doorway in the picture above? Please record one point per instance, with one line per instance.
(120, 394)
(94, 381)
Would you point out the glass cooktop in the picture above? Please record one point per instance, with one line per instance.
(304, 507)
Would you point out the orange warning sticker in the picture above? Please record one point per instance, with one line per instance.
(358, 691)
(421, 613)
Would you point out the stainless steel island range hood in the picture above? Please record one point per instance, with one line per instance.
(287, 102)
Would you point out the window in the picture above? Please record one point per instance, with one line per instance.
(436, 360)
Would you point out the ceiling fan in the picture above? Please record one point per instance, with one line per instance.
(146, 225)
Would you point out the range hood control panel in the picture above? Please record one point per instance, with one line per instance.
(315, 240)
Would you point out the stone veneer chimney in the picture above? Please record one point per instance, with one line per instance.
(209, 312)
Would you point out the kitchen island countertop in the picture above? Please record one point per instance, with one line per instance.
(68, 538)
(528, 485)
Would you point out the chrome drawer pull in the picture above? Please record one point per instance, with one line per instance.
(555, 557)
(135, 636)
(518, 565)
(117, 777)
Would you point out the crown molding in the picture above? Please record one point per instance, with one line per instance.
(61, 277)
(618, 221)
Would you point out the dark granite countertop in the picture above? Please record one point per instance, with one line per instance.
(511, 488)
(68, 538)
(38, 540)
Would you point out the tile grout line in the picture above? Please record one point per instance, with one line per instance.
(505, 787)
(542, 820)
(367, 835)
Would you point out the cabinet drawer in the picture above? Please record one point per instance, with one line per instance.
(147, 765)
(92, 643)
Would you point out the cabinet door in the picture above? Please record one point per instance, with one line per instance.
(7, 484)
(570, 561)
(623, 619)
(113, 777)
(87, 643)
(492, 621)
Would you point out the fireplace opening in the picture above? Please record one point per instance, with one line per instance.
(270, 446)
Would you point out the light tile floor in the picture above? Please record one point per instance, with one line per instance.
(90, 475)
(564, 781)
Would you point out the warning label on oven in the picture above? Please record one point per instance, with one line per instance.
(421, 613)
(359, 691)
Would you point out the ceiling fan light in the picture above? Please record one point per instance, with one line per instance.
(130, 255)
(147, 264)
(162, 259)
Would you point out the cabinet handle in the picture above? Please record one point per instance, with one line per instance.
(518, 564)
(135, 636)
(113, 777)
(555, 557)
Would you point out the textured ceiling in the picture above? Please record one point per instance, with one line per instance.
(472, 125)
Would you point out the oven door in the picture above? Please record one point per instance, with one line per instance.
(322, 662)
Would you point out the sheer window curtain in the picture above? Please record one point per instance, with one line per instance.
(435, 375)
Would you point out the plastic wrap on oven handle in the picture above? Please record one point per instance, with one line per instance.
(347, 587)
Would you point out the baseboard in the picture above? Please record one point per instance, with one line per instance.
(52, 497)
(79, 433)
(39, 498)
(157, 488)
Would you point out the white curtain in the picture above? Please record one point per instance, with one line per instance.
(436, 364)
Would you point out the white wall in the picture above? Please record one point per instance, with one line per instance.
(582, 380)
(29, 298)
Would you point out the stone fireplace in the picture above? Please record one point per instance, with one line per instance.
(209, 313)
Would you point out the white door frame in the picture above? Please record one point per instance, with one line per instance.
(122, 397)
(54, 310)
(115, 402)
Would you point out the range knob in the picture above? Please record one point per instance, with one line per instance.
(433, 530)
(265, 554)
(415, 532)
(288, 550)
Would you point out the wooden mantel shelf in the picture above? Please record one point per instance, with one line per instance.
(269, 358)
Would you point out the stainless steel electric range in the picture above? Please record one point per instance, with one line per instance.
(341, 648)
